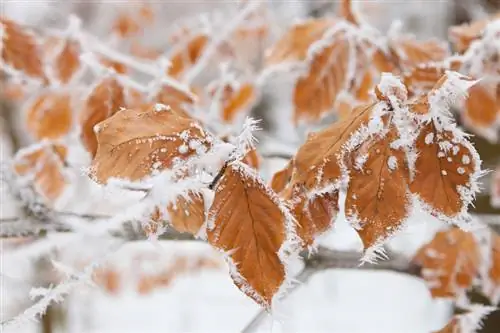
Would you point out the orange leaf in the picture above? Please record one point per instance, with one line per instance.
(250, 224)
(252, 159)
(463, 35)
(314, 215)
(45, 164)
(133, 145)
(187, 55)
(294, 45)
(67, 62)
(240, 100)
(409, 52)
(104, 101)
(282, 178)
(482, 108)
(50, 115)
(126, 26)
(20, 50)
(347, 13)
(174, 97)
(377, 200)
(450, 262)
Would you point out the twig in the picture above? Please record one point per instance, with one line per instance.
(325, 259)
(202, 62)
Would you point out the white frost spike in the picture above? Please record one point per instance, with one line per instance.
(472, 321)
(392, 163)
(246, 140)
(390, 85)
(162, 107)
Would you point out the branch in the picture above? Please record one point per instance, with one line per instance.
(325, 259)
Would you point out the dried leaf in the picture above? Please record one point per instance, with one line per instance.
(133, 145)
(314, 215)
(45, 164)
(463, 35)
(450, 262)
(107, 278)
(409, 52)
(239, 101)
(175, 98)
(422, 78)
(482, 110)
(252, 159)
(294, 45)
(187, 55)
(50, 115)
(377, 199)
(67, 62)
(126, 26)
(282, 178)
(346, 11)
(187, 216)
(104, 101)
(20, 50)
(250, 224)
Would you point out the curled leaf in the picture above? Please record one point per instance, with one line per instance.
(104, 101)
(249, 223)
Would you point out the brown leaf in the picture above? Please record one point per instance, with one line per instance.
(187, 55)
(239, 101)
(314, 215)
(117, 66)
(294, 45)
(50, 115)
(252, 159)
(422, 78)
(443, 169)
(136, 144)
(174, 97)
(482, 107)
(250, 224)
(409, 52)
(450, 262)
(463, 35)
(345, 11)
(318, 155)
(187, 216)
(104, 101)
(45, 164)
(20, 50)
(282, 178)
(377, 199)
(107, 278)
(126, 26)
(67, 62)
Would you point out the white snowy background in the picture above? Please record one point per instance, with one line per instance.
(207, 301)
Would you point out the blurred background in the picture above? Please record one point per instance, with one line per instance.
(183, 286)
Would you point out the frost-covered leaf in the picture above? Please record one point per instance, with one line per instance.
(252, 159)
(282, 177)
(377, 200)
(186, 54)
(409, 52)
(481, 112)
(133, 145)
(20, 50)
(43, 164)
(174, 97)
(109, 279)
(104, 100)
(314, 215)
(463, 35)
(450, 262)
(50, 115)
(240, 100)
(447, 167)
(252, 225)
(126, 26)
(63, 58)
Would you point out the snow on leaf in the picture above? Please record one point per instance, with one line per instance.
(377, 200)
(174, 97)
(250, 223)
(450, 262)
(440, 163)
(19, 50)
(346, 11)
(409, 52)
(43, 164)
(252, 159)
(463, 35)
(50, 115)
(239, 101)
(63, 58)
(133, 145)
(294, 45)
(314, 215)
(105, 99)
